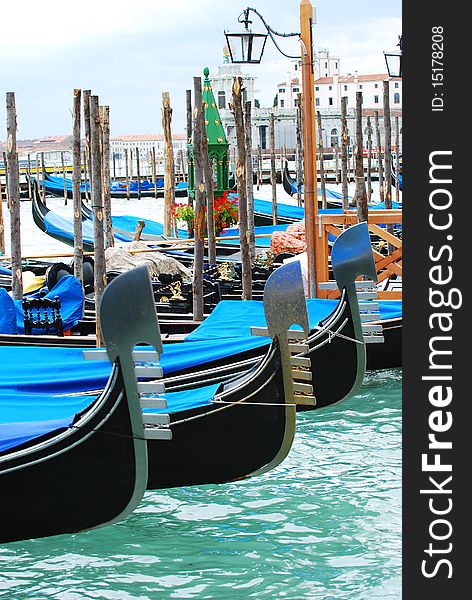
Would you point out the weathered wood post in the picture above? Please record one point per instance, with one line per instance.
(131, 164)
(86, 175)
(336, 158)
(344, 156)
(242, 187)
(43, 176)
(199, 207)
(105, 126)
(153, 170)
(379, 155)
(249, 181)
(2, 222)
(97, 208)
(88, 151)
(169, 175)
(361, 194)
(6, 179)
(259, 166)
(28, 179)
(127, 173)
(388, 144)
(273, 175)
(299, 164)
(188, 96)
(397, 159)
(76, 195)
(321, 152)
(64, 182)
(138, 172)
(11, 166)
(369, 159)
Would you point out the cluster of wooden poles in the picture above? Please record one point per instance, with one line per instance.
(96, 123)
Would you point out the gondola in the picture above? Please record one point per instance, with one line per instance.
(62, 229)
(233, 429)
(333, 200)
(336, 340)
(55, 187)
(63, 469)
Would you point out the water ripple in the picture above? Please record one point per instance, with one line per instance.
(324, 525)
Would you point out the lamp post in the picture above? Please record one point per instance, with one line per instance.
(248, 47)
(393, 61)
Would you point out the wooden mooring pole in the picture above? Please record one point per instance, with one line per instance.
(2, 222)
(259, 166)
(76, 181)
(344, 153)
(28, 179)
(299, 155)
(379, 155)
(199, 207)
(127, 173)
(88, 156)
(369, 159)
(138, 172)
(97, 208)
(169, 174)
(321, 154)
(273, 174)
(388, 144)
(360, 194)
(105, 126)
(241, 178)
(43, 175)
(64, 182)
(153, 169)
(249, 180)
(14, 197)
(397, 159)
(188, 97)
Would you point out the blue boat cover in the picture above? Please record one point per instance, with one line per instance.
(70, 293)
(24, 417)
(62, 227)
(33, 369)
(4, 271)
(25, 369)
(128, 223)
(7, 313)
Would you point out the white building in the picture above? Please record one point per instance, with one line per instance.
(330, 90)
(144, 144)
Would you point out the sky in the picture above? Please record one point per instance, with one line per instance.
(130, 51)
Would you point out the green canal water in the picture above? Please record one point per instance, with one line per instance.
(326, 525)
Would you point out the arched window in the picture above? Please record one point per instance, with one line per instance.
(396, 98)
(334, 137)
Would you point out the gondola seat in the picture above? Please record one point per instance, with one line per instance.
(43, 313)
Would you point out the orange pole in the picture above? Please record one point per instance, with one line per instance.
(314, 249)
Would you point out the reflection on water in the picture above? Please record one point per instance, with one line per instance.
(324, 525)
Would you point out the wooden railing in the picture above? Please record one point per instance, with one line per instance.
(386, 264)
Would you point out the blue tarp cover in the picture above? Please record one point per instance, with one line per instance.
(70, 293)
(30, 369)
(60, 226)
(24, 417)
(34, 369)
(7, 313)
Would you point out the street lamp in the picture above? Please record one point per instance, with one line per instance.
(247, 47)
(394, 61)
